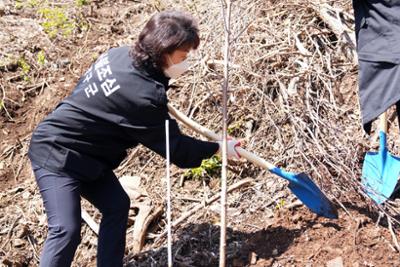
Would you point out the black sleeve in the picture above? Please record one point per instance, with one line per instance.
(185, 151)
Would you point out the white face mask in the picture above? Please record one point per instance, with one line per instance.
(176, 70)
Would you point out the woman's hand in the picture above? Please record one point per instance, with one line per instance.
(232, 144)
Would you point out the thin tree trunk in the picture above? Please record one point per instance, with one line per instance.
(226, 17)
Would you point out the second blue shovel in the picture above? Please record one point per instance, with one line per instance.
(380, 169)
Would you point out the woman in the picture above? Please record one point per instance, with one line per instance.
(118, 103)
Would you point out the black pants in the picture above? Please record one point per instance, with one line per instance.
(368, 126)
(61, 197)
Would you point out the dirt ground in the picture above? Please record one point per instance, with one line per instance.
(266, 225)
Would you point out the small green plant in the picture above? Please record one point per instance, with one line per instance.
(33, 3)
(19, 4)
(80, 3)
(209, 167)
(41, 58)
(56, 21)
(281, 203)
(234, 128)
(26, 68)
(94, 56)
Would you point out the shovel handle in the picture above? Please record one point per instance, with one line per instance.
(383, 122)
(213, 136)
(382, 135)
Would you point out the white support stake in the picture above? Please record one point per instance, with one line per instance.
(226, 14)
(168, 194)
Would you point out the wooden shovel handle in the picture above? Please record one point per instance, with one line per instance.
(215, 137)
(383, 122)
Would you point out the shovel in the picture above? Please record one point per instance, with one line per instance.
(300, 184)
(380, 169)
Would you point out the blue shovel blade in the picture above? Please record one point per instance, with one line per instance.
(379, 175)
(310, 194)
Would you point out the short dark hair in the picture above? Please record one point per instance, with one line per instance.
(164, 33)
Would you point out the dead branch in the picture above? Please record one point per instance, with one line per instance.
(89, 221)
(142, 222)
(340, 30)
(394, 237)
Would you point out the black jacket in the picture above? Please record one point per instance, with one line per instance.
(113, 107)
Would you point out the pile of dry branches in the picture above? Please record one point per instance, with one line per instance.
(293, 88)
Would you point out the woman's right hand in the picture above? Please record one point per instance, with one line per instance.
(232, 144)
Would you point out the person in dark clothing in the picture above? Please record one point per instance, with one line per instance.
(118, 103)
(377, 25)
